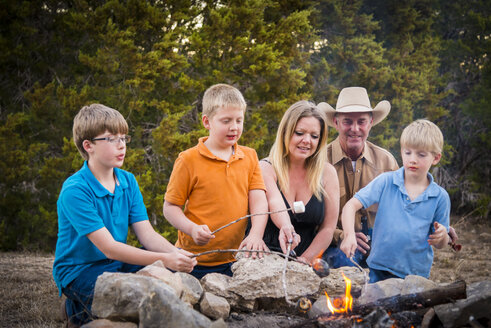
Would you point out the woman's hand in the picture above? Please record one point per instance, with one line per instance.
(288, 235)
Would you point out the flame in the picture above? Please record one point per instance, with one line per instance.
(341, 305)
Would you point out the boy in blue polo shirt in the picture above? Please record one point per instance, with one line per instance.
(413, 211)
(95, 208)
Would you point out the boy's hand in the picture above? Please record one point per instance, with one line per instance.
(349, 245)
(201, 234)
(180, 261)
(253, 242)
(287, 234)
(439, 237)
(362, 242)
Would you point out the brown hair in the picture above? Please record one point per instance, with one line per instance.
(93, 120)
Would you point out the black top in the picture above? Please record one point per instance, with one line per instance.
(306, 225)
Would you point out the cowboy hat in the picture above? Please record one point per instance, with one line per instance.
(355, 100)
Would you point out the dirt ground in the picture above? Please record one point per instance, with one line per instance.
(29, 298)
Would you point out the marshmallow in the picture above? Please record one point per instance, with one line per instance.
(298, 207)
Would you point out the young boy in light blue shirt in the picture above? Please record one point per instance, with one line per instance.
(95, 208)
(413, 211)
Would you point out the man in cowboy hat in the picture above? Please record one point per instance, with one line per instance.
(357, 162)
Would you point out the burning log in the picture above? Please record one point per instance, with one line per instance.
(400, 303)
(415, 301)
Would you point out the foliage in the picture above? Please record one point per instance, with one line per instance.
(152, 60)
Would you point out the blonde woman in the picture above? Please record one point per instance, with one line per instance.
(297, 170)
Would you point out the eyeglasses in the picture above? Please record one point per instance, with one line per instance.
(115, 140)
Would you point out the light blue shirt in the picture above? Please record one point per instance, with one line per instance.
(402, 227)
(85, 206)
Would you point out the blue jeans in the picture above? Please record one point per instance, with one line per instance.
(379, 275)
(336, 258)
(80, 292)
(200, 271)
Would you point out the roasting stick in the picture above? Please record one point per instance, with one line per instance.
(361, 269)
(284, 273)
(244, 251)
(298, 207)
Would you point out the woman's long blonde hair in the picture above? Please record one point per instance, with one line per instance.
(280, 150)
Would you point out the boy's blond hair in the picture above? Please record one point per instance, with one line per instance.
(423, 134)
(280, 150)
(93, 120)
(219, 96)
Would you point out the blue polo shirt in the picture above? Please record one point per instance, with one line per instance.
(402, 227)
(85, 206)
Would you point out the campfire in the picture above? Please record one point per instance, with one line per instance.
(341, 305)
(397, 311)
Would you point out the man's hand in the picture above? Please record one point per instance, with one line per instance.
(201, 234)
(453, 235)
(362, 242)
(253, 242)
(288, 235)
(349, 245)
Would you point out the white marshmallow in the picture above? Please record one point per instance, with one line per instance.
(298, 207)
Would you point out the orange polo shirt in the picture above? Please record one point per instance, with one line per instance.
(215, 192)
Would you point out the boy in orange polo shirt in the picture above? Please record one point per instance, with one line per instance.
(217, 181)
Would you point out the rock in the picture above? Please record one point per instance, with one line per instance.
(104, 323)
(319, 307)
(335, 285)
(159, 271)
(261, 279)
(416, 284)
(219, 284)
(192, 289)
(219, 324)
(477, 305)
(118, 295)
(213, 306)
(144, 300)
(162, 308)
(381, 289)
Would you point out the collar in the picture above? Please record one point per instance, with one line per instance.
(338, 153)
(96, 186)
(204, 151)
(430, 191)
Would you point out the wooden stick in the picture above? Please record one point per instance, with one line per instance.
(246, 250)
(248, 216)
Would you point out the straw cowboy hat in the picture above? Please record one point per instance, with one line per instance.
(355, 100)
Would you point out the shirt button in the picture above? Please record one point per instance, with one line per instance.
(407, 198)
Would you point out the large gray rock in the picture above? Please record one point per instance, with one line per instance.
(416, 284)
(262, 279)
(164, 309)
(159, 271)
(215, 307)
(118, 295)
(192, 289)
(381, 289)
(144, 300)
